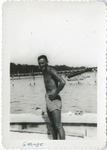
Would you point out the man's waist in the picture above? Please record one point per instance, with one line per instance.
(58, 97)
(50, 91)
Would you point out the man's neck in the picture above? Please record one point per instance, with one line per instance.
(46, 70)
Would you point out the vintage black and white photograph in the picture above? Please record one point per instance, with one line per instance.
(54, 54)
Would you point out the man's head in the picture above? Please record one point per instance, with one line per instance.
(43, 62)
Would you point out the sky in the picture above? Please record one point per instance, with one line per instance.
(69, 33)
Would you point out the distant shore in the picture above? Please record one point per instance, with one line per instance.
(38, 74)
(21, 70)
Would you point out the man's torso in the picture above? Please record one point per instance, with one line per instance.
(50, 82)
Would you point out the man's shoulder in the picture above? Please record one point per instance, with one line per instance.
(51, 70)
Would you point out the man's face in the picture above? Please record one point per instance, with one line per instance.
(42, 63)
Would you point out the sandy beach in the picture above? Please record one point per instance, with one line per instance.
(37, 126)
(37, 136)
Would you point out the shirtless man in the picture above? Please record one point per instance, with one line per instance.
(53, 84)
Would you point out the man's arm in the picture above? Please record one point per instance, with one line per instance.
(61, 82)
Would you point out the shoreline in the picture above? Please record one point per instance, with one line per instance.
(33, 125)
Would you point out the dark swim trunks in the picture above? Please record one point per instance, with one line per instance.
(54, 104)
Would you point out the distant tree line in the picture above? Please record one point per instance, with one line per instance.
(14, 69)
(64, 67)
(19, 68)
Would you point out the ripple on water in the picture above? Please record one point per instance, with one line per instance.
(25, 98)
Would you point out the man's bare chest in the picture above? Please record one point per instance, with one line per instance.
(47, 78)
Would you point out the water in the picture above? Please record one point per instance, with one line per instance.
(25, 97)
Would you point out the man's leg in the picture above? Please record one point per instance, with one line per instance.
(54, 131)
(56, 116)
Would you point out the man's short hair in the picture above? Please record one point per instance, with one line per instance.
(43, 56)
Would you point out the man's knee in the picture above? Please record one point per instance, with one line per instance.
(58, 126)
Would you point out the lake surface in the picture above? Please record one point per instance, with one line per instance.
(82, 96)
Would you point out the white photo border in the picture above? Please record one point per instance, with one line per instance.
(100, 142)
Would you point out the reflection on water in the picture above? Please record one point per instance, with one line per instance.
(26, 96)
